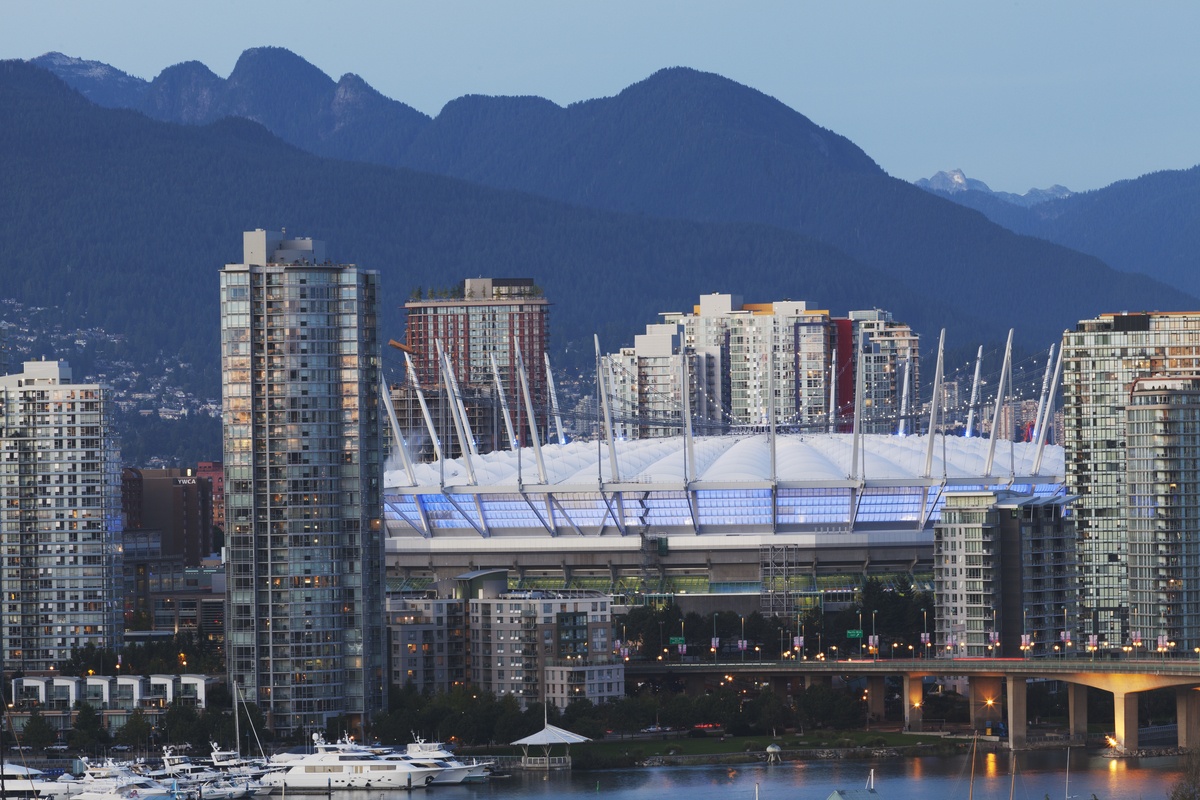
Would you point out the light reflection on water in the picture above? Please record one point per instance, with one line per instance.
(1038, 774)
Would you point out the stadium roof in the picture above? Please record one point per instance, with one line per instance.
(804, 459)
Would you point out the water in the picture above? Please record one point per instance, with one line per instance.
(1038, 774)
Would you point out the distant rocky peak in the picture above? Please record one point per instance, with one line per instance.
(953, 181)
(956, 181)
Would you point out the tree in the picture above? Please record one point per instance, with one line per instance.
(140, 620)
(37, 732)
(1188, 785)
(181, 723)
(136, 729)
(88, 730)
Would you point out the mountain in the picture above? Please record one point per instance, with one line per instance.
(955, 182)
(125, 222)
(104, 85)
(680, 144)
(685, 145)
(294, 100)
(1149, 225)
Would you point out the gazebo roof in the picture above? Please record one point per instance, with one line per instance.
(551, 735)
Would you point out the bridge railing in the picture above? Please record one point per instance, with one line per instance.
(944, 666)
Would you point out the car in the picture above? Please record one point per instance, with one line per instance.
(20, 748)
(121, 748)
(57, 748)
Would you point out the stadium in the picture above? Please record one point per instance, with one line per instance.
(782, 521)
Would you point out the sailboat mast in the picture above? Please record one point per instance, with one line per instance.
(974, 744)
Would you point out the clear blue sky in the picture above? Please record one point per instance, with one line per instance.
(1017, 94)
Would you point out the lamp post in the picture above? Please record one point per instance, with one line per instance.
(860, 638)
(925, 629)
(874, 641)
(743, 649)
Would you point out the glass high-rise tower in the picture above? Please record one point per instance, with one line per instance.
(300, 390)
(61, 472)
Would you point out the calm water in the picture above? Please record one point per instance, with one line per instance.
(1038, 774)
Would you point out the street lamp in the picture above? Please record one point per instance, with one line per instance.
(875, 641)
(758, 650)
(742, 648)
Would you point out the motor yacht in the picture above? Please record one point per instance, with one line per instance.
(349, 766)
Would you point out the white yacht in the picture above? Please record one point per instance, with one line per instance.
(478, 770)
(349, 766)
(20, 782)
(110, 779)
(452, 771)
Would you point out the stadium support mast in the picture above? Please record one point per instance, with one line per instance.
(974, 392)
(1049, 411)
(1037, 424)
(933, 406)
(463, 439)
(608, 428)
(771, 398)
(508, 426)
(1000, 393)
(401, 445)
(553, 400)
(456, 400)
(412, 377)
(689, 442)
(858, 401)
(904, 398)
(537, 445)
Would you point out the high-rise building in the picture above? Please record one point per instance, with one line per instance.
(62, 573)
(215, 472)
(891, 358)
(174, 502)
(300, 375)
(486, 318)
(734, 346)
(1103, 358)
(647, 384)
(1005, 567)
(1162, 423)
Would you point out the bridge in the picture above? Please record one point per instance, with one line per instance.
(988, 679)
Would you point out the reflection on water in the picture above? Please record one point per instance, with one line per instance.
(1038, 774)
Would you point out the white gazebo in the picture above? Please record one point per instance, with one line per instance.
(547, 738)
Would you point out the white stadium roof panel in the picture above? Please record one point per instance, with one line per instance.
(800, 458)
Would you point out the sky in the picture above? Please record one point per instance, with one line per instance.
(1016, 94)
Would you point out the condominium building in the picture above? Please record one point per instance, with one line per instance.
(427, 636)
(1103, 357)
(540, 645)
(647, 383)
(58, 698)
(740, 354)
(1162, 443)
(891, 370)
(61, 580)
(1005, 567)
(300, 374)
(485, 319)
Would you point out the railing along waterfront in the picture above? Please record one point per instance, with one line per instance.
(932, 666)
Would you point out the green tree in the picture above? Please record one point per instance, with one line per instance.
(136, 729)
(770, 713)
(140, 620)
(180, 724)
(1188, 785)
(817, 704)
(37, 733)
(88, 730)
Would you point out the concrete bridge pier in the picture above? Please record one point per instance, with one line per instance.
(780, 685)
(1077, 702)
(1017, 712)
(985, 699)
(694, 685)
(1187, 714)
(809, 680)
(914, 702)
(1125, 719)
(876, 690)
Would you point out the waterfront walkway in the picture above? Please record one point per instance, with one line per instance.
(988, 679)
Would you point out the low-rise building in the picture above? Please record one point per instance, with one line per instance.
(426, 638)
(114, 697)
(541, 645)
